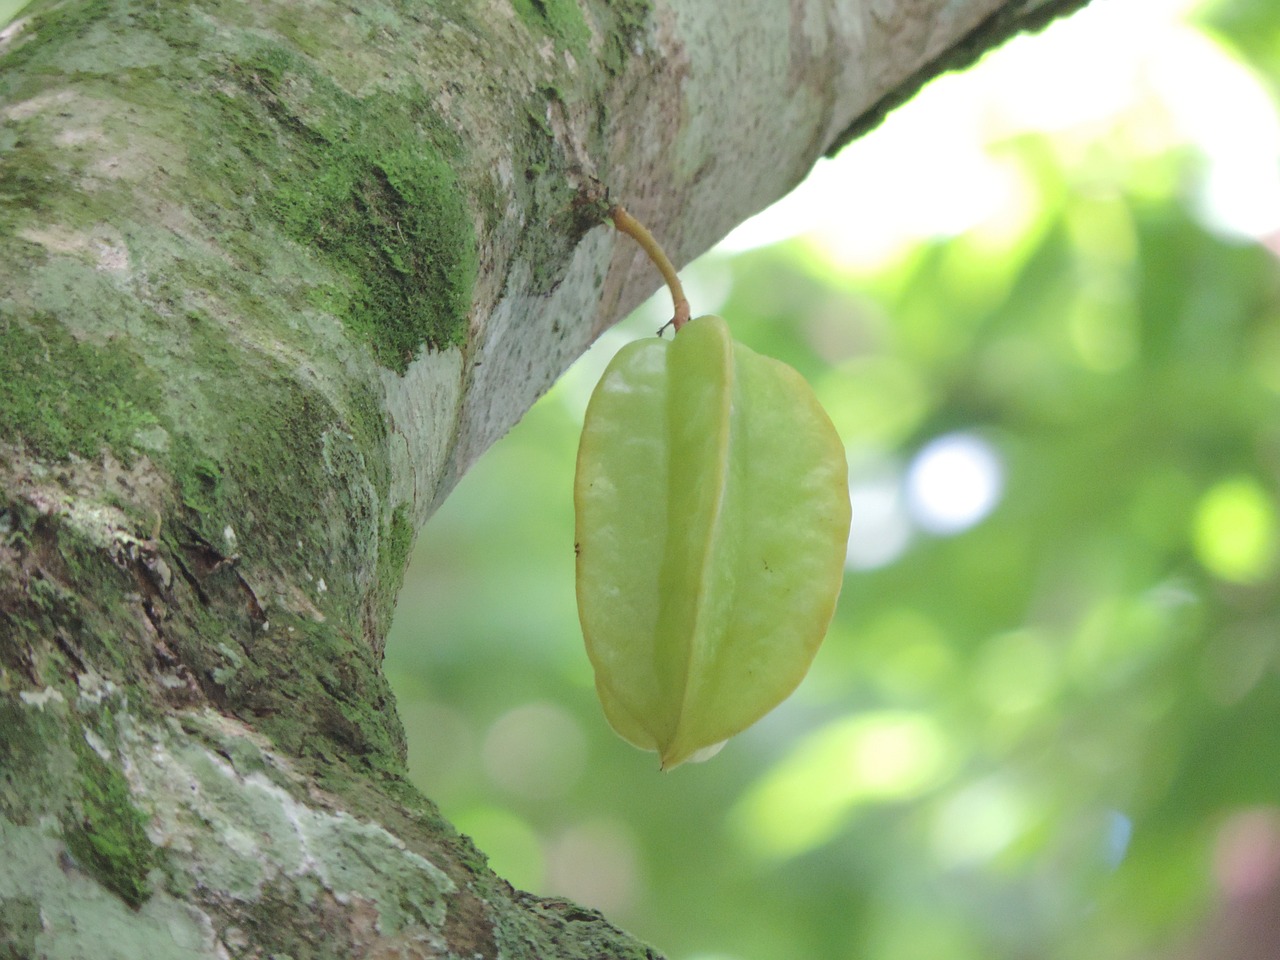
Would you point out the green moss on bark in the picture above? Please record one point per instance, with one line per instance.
(368, 182)
(20, 924)
(109, 839)
(54, 569)
(278, 484)
(562, 20)
(28, 179)
(551, 186)
(48, 769)
(630, 19)
(31, 779)
(319, 694)
(393, 557)
(64, 396)
(261, 465)
(395, 222)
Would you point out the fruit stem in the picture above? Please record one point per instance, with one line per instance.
(635, 229)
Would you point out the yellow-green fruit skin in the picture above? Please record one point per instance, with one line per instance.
(712, 508)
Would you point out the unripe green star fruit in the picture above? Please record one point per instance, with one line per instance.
(712, 507)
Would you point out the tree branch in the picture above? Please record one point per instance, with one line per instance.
(274, 276)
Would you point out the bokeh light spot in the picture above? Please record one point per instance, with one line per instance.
(953, 483)
(1246, 856)
(536, 750)
(978, 822)
(1235, 531)
(595, 863)
(1119, 834)
(879, 528)
(1016, 672)
(887, 756)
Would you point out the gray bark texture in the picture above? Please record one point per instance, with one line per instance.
(272, 275)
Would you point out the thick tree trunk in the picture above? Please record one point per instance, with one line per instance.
(271, 276)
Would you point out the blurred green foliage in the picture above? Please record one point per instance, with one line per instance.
(9, 9)
(1027, 731)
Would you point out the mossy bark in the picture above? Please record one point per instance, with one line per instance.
(271, 276)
